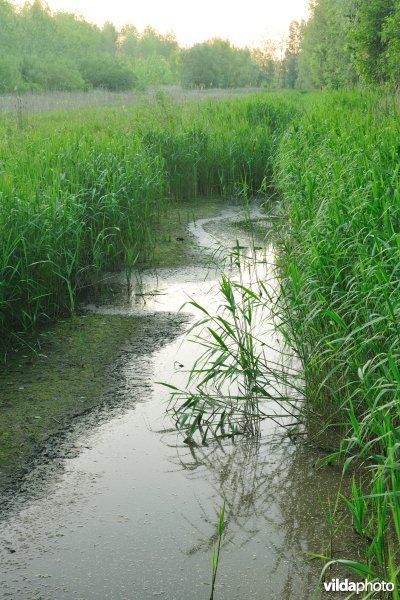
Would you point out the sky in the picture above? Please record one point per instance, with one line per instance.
(245, 23)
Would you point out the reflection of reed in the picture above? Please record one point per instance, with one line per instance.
(272, 492)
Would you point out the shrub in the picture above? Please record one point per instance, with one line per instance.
(108, 72)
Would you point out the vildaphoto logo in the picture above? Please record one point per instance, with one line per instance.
(336, 585)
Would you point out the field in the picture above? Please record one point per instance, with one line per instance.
(86, 193)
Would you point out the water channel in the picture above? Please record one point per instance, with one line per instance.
(123, 509)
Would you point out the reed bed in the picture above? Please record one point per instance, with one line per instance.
(337, 170)
(80, 191)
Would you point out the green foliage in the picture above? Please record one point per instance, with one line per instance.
(325, 59)
(371, 37)
(10, 75)
(62, 51)
(347, 39)
(217, 63)
(338, 172)
(108, 72)
(268, 67)
(77, 193)
(215, 555)
(51, 73)
(291, 60)
(391, 41)
(154, 70)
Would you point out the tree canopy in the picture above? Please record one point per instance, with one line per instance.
(342, 43)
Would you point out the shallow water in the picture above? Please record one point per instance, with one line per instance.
(123, 509)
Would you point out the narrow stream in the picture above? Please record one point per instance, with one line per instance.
(125, 510)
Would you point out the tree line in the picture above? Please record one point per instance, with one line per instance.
(349, 41)
(342, 43)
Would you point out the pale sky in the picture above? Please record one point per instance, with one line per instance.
(244, 22)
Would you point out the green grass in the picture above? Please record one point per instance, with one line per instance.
(86, 193)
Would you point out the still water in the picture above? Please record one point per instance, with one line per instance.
(122, 509)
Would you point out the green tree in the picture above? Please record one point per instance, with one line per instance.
(291, 60)
(375, 37)
(129, 40)
(265, 59)
(109, 37)
(217, 63)
(391, 39)
(108, 72)
(325, 59)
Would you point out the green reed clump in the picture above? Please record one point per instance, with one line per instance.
(337, 170)
(242, 377)
(80, 190)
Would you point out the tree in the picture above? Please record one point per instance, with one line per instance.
(325, 58)
(217, 63)
(291, 59)
(374, 37)
(129, 40)
(265, 59)
(108, 72)
(391, 40)
(109, 37)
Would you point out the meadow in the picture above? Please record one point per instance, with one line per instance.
(82, 191)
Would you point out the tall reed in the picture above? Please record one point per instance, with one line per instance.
(337, 169)
(79, 191)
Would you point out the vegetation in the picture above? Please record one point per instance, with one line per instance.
(215, 555)
(82, 195)
(344, 42)
(45, 51)
(337, 169)
(218, 64)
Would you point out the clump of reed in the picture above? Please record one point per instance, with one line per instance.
(337, 169)
(80, 190)
(243, 376)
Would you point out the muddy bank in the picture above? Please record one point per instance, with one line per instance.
(75, 371)
(71, 370)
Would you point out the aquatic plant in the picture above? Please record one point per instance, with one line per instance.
(215, 554)
(337, 170)
(240, 378)
(82, 194)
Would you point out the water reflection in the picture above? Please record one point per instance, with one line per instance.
(273, 493)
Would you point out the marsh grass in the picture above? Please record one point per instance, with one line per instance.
(242, 376)
(82, 194)
(215, 554)
(337, 169)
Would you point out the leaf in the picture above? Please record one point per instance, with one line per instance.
(221, 519)
(218, 338)
(335, 317)
(167, 385)
(352, 564)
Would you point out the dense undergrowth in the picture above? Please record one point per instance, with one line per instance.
(81, 194)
